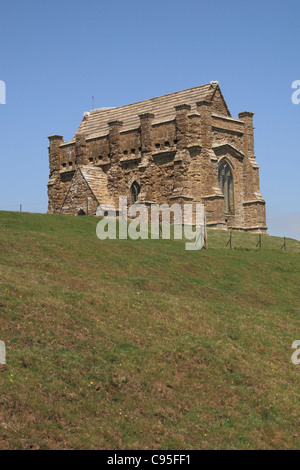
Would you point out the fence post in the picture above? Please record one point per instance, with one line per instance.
(229, 241)
(205, 232)
(2, 353)
(259, 241)
(284, 244)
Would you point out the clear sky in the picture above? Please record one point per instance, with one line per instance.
(55, 55)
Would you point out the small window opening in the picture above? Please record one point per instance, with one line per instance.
(134, 192)
(81, 212)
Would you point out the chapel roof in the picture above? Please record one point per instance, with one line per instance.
(95, 123)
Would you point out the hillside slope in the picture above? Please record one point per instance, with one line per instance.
(123, 344)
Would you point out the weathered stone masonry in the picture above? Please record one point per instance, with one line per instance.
(180, 147)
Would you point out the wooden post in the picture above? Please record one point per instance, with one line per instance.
(229, 241)
(259, 241)
(205, 233)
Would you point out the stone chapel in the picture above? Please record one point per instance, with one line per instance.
(177, 148)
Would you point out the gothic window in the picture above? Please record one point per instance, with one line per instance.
(226, 186)
(134, 192)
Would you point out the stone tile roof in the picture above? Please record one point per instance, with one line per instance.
(94, 124)
(97, 181)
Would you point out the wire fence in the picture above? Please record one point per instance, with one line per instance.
(25, 207)
(38, 207)
(258, 242)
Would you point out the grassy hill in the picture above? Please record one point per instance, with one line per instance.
(123, 344)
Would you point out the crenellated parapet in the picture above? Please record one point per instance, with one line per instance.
(115, 140)
(80, 149)
(55, 142)
(248, 140)
(146, 133)
(204, 108)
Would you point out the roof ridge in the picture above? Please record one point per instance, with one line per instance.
(94, 111)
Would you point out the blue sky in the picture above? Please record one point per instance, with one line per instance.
(55, 55)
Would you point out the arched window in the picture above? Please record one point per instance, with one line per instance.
(226, 186)
(134, 192)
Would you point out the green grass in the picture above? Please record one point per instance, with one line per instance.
(123, 344)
